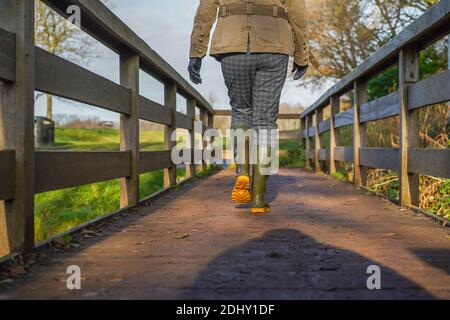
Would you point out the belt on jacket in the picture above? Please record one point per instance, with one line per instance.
(253, 9)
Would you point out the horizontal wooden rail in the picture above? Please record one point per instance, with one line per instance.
(344, 119)
(183, 121)
(382, 158)
(154, 160)
(154, 112)
(60, 77)
(59, 170)
(433, 90)
(432, 162)
(382, 108)
(7, 56)
(344, 154)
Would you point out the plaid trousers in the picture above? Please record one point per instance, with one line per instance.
(254, 83)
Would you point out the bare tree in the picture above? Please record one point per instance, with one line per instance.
(345, 32)
(57, 35)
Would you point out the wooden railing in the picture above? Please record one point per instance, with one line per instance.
(25, 68)
(409, 160)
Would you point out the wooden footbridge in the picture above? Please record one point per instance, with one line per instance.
(190, 241)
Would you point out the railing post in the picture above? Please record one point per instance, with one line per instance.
(170, 101)
(409, 126)
(211, 126)
(359, 133)
(129, 129)
(203, 119)
(335, 106)
(190, 168)
(318, 141)
(17, 129)
(308, 141)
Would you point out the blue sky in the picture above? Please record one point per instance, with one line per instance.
(166, 26)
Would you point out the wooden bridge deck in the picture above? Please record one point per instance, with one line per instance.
(193, 243)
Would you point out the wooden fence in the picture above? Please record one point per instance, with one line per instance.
(409, 160)
(25, 68)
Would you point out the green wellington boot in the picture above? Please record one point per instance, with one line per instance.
(241, 191)
(259, 184)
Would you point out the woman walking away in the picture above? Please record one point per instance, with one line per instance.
(253, 41)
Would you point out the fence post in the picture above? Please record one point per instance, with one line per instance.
(170, 101)
(211, 126)
(190, 168)
(203, 119)
(129, 129)
(359, 132)
(318, 141)
(17, 126)
(308, 141)
(335, 106)
(409, 126)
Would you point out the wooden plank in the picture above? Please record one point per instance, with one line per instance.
(154, 160)
(154, 112)
(183, 121)
(7, 56)
(324, 126)
(344, 154)
(426, 29)
(65, 79)
(58, 170)
(433, 90)
(105, 26)
(324, 154)
(409, 126)
(312, 132)
(430, 162)
(7, 175)
(17, 114)
(344, 119)
(170, 100)
(129, 129)
(382, 108)
(380, 158)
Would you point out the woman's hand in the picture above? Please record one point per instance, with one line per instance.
(299, 71)
(195, 66)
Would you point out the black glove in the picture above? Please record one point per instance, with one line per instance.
(299, 71)
(195, 66)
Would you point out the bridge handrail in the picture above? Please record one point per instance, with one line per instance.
(25, 68)
(425, 30)
(409, 159)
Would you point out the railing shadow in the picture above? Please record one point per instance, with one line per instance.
(286, 264)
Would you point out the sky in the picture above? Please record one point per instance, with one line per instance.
(166, 27)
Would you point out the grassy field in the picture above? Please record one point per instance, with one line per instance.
(60, 210)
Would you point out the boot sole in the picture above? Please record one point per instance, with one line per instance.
(260, 210)
(241, 192)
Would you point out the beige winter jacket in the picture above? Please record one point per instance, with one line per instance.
(258, 26)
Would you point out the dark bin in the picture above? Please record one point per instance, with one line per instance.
(44, 131)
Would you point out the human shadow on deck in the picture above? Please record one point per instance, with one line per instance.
(286, 264)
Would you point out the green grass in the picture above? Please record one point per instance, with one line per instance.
(291, 154)
(102, 140)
